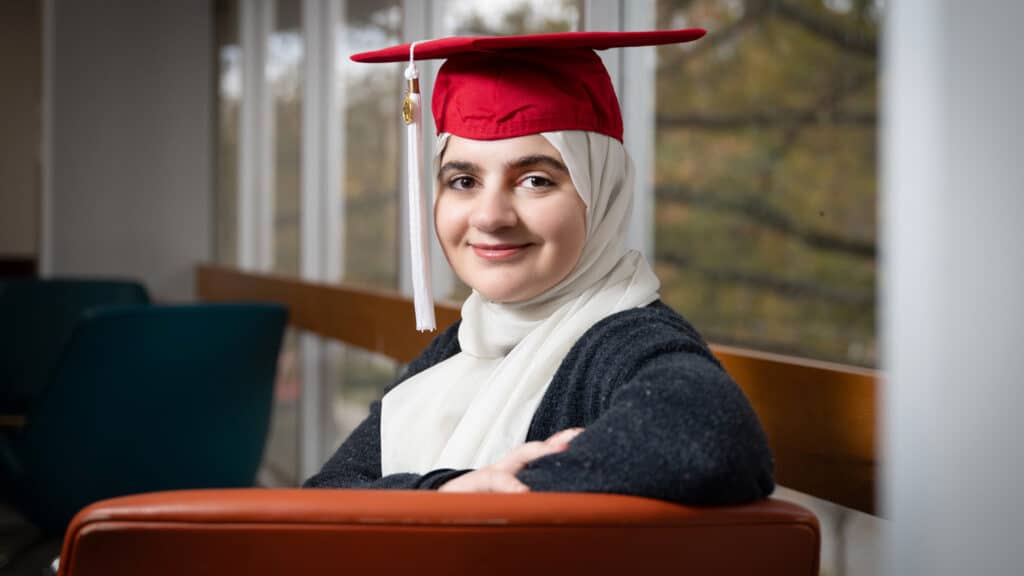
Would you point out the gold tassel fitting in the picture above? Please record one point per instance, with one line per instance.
(407, 111)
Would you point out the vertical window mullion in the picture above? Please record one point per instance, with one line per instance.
(637, 94)
(332, 238)
(267, 129)
(335, 145)
(313, 105)
(314, 192)
(256, 139)
(253, 42)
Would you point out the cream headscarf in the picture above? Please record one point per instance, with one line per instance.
(473, 408)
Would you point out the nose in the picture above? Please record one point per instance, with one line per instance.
(493, 209)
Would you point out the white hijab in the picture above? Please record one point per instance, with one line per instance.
(473, 408)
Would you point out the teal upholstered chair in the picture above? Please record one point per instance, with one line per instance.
(36, 317)
(147, 398)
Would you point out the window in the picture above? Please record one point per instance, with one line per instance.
(765, 174)
(371, 187)
(373, 146)
(475, 17)
(285, 52)
(761, 169)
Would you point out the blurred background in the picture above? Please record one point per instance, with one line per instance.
(141, 138)
(238, 132)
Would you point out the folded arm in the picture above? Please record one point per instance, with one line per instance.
(677, 429)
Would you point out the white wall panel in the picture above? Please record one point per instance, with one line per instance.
(953, 200)
(131, 138)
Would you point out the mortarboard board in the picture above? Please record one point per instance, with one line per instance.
(499, 87)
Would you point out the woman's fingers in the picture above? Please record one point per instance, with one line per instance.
(501, 476)
(485, 480)
(523, 455)
(507, 483)
(563, 437)
(515, 460)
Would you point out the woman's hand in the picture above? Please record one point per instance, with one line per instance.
(501, 476)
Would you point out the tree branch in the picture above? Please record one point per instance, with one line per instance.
(766, 216)
(825, 29)
(672, 65)
(764, 119)
(793, 289)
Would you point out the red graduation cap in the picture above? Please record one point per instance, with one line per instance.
(503, 87)
(506, 86)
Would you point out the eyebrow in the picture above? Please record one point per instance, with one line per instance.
(535, 160)
(516, 164)
(458, 166)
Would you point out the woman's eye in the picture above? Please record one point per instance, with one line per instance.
(537, 182)
(461, 183)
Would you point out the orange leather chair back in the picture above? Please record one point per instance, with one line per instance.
(261, 532)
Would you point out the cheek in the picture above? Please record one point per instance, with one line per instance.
(565, 226)
(449, 221)
(442, 219)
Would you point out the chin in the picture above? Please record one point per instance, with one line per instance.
(502, 296)
(502, 292)
(508, 291)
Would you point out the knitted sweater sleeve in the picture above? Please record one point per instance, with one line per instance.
(356, 463)
(661, 419)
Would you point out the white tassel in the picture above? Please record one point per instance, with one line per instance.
(419, 252)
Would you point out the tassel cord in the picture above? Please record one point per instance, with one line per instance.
(419, 246)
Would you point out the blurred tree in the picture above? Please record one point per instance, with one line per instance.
(765, 173)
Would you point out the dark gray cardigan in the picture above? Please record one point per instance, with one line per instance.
(662, 419)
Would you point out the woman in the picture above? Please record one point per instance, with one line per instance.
(566, 372)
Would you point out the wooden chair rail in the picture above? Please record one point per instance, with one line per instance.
(12, 421)
(820, 418)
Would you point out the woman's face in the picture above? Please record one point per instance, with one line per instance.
(508, 216)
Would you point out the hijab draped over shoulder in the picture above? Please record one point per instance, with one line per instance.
(470, 410)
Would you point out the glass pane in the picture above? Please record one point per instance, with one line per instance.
(284, 75)
(359, 378)
(765, 174)
(285, 51)
(280, 466)
(477, 17)
(229, 99)
(373, 145)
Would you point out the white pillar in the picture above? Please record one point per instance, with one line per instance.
(952, 286)
(639, 68)
(128, 156)
(255, 148)
(319, 168)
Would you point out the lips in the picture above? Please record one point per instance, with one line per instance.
(496, 252)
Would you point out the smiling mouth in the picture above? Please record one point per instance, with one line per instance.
(495, 252)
